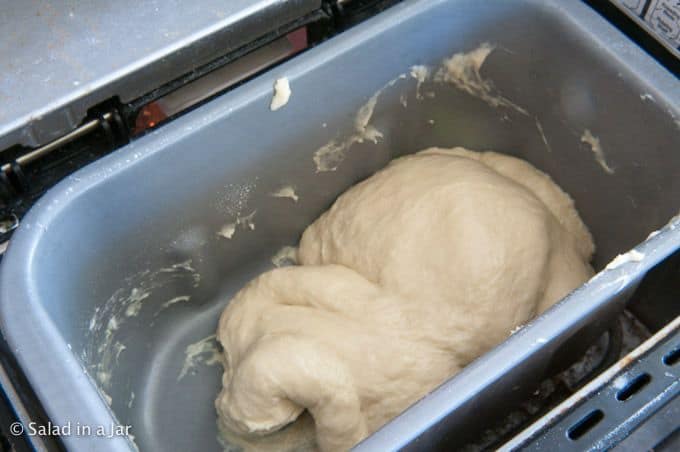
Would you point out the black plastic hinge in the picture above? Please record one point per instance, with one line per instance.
(25, 173)
(346, 13)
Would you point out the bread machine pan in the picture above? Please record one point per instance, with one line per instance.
(115, 280)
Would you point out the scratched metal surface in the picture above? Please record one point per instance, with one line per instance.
(59, 57)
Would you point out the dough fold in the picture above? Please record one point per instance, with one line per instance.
(408, 277)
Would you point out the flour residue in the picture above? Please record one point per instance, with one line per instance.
(281, 94)
(107, 398)
(203, 352)
(105, 337)
(621, 259)
(234, 198)
(284, 257)
(676, 120)
(329, 156)
(364, 130)
(596, 148)
(539, 127)
(185, 266)
(403, 100)
(180, 299)
(242, 222)
(118, 348)
(131, 437)
(462, 70)
(247, 221)
(135, 302)
(286, 192)
(171, 302)
(233, 202)
(421, 74)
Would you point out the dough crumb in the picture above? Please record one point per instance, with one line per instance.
(421, 74)
(286, 192)
(246, 222)
(621, 259)
(227, 231)
(285, 256)
(281, 94)
(462, 70)
(516, 329)
(202, 352)
(596, 148)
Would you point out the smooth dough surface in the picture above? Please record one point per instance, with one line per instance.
(408, 277)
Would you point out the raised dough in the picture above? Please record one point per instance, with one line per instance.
(408, 277)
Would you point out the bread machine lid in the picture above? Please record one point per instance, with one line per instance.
(58, 57)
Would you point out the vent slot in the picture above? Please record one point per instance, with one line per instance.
(585, 424)
(671, 358)
(632, 387)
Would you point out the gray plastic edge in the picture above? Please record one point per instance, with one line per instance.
(17, 293)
